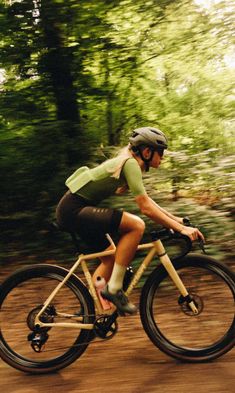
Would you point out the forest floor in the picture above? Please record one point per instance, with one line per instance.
(128, 363)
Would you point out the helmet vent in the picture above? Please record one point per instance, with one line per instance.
(134, 134)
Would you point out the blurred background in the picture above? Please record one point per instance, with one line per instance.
(76, 77)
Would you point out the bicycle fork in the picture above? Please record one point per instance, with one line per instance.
(165, 260)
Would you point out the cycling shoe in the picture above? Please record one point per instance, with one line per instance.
(120, 300)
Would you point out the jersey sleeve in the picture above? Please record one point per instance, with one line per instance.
(133, 175)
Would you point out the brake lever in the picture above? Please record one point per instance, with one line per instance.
(201, 245)
(186, 222)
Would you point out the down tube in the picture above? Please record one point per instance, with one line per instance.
(141, 270)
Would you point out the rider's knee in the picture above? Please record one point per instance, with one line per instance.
(140, 225)
(132, 223)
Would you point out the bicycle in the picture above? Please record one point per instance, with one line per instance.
(48, 316)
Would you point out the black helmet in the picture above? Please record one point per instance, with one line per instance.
(148, 136)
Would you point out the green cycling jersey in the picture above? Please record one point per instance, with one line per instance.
(99, 183)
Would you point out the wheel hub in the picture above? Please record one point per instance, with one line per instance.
(39, 335)
(46, 317)
(185, 307)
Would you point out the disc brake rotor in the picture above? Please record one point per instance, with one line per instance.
(185, 307)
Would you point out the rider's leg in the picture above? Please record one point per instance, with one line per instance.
(106, 266)
(131, 228)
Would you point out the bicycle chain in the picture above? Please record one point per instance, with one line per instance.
(92, 341)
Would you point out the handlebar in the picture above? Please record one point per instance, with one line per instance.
(186, 222)
(170, 234)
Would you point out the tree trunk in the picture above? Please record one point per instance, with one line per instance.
(57, 64)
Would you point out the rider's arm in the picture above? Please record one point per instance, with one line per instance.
(178, 219)
(150, 209)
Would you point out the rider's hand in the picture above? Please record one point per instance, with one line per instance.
(192, 233)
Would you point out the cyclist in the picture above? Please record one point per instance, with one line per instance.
(80, 209)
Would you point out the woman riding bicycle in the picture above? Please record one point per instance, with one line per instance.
(80, 210)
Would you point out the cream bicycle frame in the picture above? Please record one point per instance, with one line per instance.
(155, 248)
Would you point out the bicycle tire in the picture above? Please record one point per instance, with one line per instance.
(172, 329)
(16, 309)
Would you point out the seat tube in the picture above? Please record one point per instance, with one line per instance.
(91, 286)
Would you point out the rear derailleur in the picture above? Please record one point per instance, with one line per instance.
(39, 335)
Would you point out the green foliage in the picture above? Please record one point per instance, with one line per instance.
(77, 74)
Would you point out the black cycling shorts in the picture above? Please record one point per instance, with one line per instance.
(75, 214)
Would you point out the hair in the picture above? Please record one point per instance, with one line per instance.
(123, 154)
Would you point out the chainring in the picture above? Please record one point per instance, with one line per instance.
(105, 328)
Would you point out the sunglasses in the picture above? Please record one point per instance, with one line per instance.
(160, 151)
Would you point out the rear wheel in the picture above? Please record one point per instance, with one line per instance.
(169, 321)
(42, 350)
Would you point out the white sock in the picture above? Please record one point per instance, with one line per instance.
(116, 280)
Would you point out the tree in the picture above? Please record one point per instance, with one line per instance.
(92, 71)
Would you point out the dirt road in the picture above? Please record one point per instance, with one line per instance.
(128, 363)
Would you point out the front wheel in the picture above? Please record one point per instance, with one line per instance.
(169, 322)
(21, 298)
